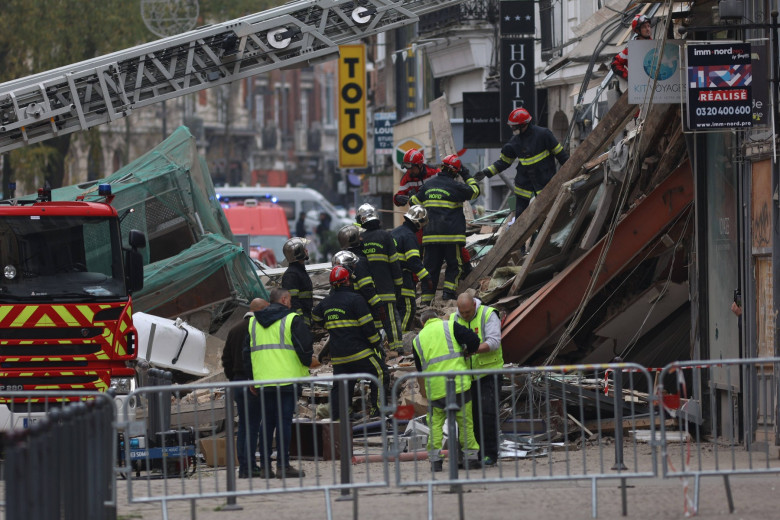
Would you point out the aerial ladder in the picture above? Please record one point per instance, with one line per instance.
(103, 89)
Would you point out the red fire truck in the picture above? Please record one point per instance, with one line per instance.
(65, 299)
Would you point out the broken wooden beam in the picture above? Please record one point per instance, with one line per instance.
(532, 217)
(543, 314)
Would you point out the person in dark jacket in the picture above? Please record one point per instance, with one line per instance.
(295, 279)
(536, 149)
(444, 236)
(362, 283)
(417, 172)
(405, 237)
(379, 248)
(279, 346)
(247, 403)
(354, 341)
(351, 239)
(300, 225)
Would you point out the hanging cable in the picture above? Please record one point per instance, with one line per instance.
(623, 196)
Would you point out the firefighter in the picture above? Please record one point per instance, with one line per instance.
(536, 149)
(640, 25)
(295, 279)
(445, 234)
(355, 345)
(362, 283)
(279, 346)
(351, 241)
(440, 347)
(417, 172)
(485, 322)
(379, 248)
(405, 237)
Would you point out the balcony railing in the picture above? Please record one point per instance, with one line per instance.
(468, 11)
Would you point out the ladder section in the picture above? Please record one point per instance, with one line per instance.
(107, 88)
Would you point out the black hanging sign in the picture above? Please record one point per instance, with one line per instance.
(517, 79)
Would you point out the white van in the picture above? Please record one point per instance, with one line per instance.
(293, 200)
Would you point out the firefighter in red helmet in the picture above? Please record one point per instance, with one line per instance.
(417, 172)
(354, 342)
(640, 25)
(535, 149)
(445, 235)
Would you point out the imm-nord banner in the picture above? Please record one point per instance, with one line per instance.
(720, 78)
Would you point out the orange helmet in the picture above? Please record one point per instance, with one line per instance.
(413, 157)
(519, 116)
(339, 275)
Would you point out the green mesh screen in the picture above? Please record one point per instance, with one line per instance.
(167, 193)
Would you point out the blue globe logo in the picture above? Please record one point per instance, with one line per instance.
(667, 66)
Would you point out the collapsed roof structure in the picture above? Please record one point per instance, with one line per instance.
(193, 266)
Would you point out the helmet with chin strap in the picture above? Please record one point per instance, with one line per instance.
(339, 275)
(349, 236)
(295, 249)
(346, 259)
(417, 215)
(413, 157)
(638, 21)
(367, 213)
(519, 116)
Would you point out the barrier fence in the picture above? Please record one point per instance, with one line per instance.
(61, 464)
(539, 418)
(703, 395)
(165, 468)
(595, 423)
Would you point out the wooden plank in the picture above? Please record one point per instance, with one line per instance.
(442, 131)
(761, 204)
(563, 196)
(531, 218)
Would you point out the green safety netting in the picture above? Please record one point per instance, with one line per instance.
(167, 193)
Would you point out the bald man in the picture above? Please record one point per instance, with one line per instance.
(484, 321)
(247, 403)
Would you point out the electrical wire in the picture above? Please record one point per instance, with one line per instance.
(622, 198)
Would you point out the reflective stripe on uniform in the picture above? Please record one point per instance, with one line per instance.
(268, 346)
(354, 357)
(442, 204)
(527, 161)
(443, 238)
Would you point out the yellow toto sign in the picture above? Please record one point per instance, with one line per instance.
(352, 106)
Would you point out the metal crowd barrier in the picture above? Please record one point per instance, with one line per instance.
(59, 461)
(547, 422)
(178, 443)
(184, 461)
(737, 395)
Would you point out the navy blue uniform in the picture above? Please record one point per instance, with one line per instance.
(354, 342)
